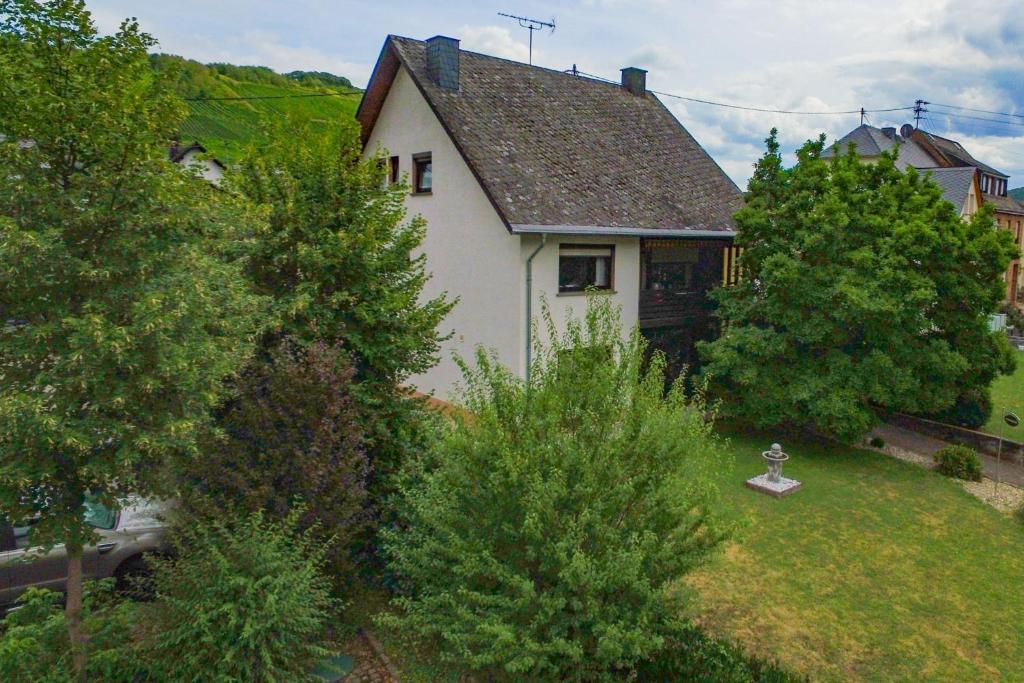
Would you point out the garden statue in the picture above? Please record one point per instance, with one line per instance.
(772, 482)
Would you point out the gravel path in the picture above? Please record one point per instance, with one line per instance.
(910, 446)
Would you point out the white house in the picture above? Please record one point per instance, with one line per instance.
(536, 182)
(195, 156)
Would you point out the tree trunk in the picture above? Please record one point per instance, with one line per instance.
(73, 612)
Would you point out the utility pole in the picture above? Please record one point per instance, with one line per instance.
(862, 115)
(919, 110)
(531, 25)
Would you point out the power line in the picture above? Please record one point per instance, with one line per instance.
(979, 111)
(744, 107)
(979, 118)
(270, 97)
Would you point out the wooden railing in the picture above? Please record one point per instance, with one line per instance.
(666, 308)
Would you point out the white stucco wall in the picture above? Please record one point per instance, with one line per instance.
(626, 280)
(207, 168)
(472, 255)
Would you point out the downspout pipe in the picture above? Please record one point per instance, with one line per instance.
(529, 303)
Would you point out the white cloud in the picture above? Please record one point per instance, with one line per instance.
(496, 41)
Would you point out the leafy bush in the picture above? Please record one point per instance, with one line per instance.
(292, 436)
(34, 642)
(972, 410)
(542, 537)
(691, 655)
(960, 462)
(1014, 317)
(241, 600)
(877, 442)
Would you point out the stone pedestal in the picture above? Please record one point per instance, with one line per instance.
(780, 488)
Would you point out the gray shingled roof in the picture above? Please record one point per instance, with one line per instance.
(955, 182)
(553, 149)
(871, 142)
(1004, 204)
(955, 150)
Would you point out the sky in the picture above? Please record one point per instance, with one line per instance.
(807, 55)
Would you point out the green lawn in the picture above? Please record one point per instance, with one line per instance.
(876, 571)
(1008, 394)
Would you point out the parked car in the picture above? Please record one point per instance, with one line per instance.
(125, 536)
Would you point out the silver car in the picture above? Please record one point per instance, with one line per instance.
(125, 536)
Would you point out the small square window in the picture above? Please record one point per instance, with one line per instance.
(393, 170)
(582, 266)
(422, 171)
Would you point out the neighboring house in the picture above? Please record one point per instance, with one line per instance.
(195, 155)
(538, 183)
(965, 181)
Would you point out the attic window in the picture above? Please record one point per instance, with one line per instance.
(582, 266)
(422, 171)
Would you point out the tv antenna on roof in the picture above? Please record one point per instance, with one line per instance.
(531, 25)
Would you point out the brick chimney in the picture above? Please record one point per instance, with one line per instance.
(443, 61)
(634, 80)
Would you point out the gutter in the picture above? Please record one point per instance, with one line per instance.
(598, 230)
(529, 304)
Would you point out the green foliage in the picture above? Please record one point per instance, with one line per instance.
(227, 126)
(335, 258)
(861, 288)
(241, 600)
(542, 537)
(123, 312)
(691, 655)
(971, 409)
(34, 639)
(959, 462)
(1017, 193)
(1014, 317)
(291, 436)
(320, 78)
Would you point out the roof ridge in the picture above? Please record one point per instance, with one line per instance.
(560, 72)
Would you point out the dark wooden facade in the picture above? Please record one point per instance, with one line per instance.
(675, 311)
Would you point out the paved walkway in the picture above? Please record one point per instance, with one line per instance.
(372, 666)
(921, 444)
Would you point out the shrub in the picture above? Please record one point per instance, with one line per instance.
(972, 410)
(691, 655)
(292, 437)
(240, 600)
(877, 442)
(34, 642)
(1014, 317)
(541, 537)
(960, 462)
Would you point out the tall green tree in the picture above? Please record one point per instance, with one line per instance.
(862, 288)
(542, 539)
(339, 260)
(122, 314)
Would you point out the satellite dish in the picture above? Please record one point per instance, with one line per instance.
(1011, 419)
(906, 130)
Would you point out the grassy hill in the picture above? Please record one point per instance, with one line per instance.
(1017, 194)
(224, 125)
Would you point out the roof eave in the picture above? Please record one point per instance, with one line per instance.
(614, 231)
